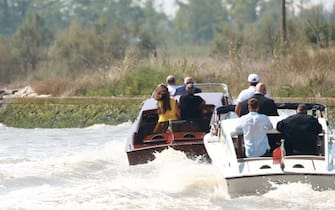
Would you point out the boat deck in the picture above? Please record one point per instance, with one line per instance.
(183, 130)
(274, 141)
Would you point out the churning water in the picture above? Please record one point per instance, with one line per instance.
(87, 168)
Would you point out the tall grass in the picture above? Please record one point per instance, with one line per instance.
(302, 72)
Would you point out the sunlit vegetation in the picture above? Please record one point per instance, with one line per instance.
(126, 48)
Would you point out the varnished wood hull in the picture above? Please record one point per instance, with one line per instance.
(149, 137)
(145, 154)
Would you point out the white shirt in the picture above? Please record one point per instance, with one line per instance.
(172, 89)
(254, 127)
(246, 94)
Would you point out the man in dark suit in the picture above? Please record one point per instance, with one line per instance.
(182, 89)
(300, 132)
(191, 105)
(267, 105)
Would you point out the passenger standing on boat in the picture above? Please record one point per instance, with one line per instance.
(191, 105)
(267, 105)
(254, 127)
(182, 89)
(300, 132)
(168, 108)
(245, 94)
(171, 84)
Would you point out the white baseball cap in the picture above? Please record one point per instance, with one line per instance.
(253, 78)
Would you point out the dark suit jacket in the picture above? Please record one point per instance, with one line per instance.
(190, 107)
(182, 90)
(301, 132)
(267, 106)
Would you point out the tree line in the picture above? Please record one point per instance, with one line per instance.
(44, 38)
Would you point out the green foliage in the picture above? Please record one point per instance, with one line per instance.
(294, 91)
(330, 93)
(100, 45)
(95, 48)
(268, 37)
(228, 40)
(317, 29)
(242, 11)
(140, 81)
(195, 22)
(30, 42)
(8, 66)
(12, 13)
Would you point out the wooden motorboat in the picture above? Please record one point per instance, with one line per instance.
(252, 176)
(143, 143)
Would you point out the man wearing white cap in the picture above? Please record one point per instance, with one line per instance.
(245, 94)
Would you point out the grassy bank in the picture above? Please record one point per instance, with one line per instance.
(86, 111)
(68, 112)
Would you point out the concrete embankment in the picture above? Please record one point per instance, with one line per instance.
(50, 112)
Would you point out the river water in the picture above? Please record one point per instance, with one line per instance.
(87, 168)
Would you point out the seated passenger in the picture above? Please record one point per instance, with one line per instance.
(168, 108)
(191, 105)
(254, 127)
(171, 84)
(267, 105)
(182, 90)
(300, 132)
(245, 94)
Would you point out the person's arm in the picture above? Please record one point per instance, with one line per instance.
(202, 104)
(238, 104)
(280, 126)
(270, 107)
(159, 109)
(268, 124)
(177, 110)
(238, 108)
(318, 126)
(238, 128)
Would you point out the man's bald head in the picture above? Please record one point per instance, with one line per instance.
(260, 88)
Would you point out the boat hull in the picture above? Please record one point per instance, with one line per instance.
(260, 184)
(257, 175)
(148, 136)
(146, 154)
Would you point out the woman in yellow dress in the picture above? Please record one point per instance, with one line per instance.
(168, 108)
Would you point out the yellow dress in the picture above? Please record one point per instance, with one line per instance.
(169, 114)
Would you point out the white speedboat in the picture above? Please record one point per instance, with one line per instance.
(250, 176)
(143, 143)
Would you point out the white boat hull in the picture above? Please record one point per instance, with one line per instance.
(252, 176)
(260, 184)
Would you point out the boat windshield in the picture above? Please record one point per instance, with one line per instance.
(211, 88)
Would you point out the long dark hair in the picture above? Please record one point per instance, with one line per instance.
(162, 94)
